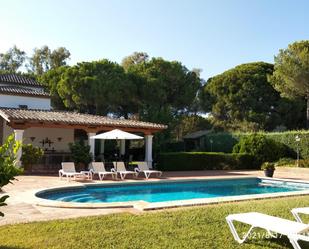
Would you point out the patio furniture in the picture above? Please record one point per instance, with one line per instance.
(99, 169)
(68, 170)
(142, 167)
(297, 211)
(295, 231)
(120, 168)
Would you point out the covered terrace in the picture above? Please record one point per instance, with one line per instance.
(54, 130)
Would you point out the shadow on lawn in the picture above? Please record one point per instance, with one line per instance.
(13, 247)
(283, 242)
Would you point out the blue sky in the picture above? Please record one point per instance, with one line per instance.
(211, 35)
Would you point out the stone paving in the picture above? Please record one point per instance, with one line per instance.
(20, 210)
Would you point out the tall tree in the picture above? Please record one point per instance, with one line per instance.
(43, 59)
(99, 87)
(189, 124)
(59, 57)
(40, 60)
(12, 60)
(291, 72)
(51, 79)
(167, 90)
(166, 85)
(134, 59)
(242, 98)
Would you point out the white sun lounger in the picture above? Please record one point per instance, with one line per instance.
(142, 167)
(68, 170)
(120, 168)
(297, 211)
(99, 169)
(295, 231)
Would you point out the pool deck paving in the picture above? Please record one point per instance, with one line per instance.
(21, 209)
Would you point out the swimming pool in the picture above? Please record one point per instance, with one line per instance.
(171, 191)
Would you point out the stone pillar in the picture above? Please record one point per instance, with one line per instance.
(122, 147)
(148, 150)
(19, 137)
(91, 143)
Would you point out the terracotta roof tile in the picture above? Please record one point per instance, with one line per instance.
(22, 91)
(18, 79)
(65, 117)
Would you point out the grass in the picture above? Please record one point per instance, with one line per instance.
(196, 227)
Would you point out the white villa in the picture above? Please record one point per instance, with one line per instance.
(25, 110)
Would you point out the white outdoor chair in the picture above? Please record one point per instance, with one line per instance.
(99, 169)
(142, 167)
(297, 211)
(120, 168)
(295, 231)
(68, 170)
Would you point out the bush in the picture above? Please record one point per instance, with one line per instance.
(262, 148)
(8, 170)
(286, 162)
(81, 154)
(268, 166)
(173, 147)
(224, 141)
(304, 163)
(30, 155)
(178, 161)
(8, 152)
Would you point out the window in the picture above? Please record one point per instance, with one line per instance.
(23, 106)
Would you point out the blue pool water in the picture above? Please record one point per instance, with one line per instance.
(171, 191)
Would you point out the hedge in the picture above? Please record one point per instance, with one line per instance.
(173, 147)
(177, 161)
(224, 142)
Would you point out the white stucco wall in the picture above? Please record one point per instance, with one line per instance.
(6, 131)
(31, 102)
(67, 136)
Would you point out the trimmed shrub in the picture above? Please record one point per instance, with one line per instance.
(224, 142)
(262, 148)
(179, 161)
(173, 147)
(288, 138)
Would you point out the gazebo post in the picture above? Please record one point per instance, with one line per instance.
(19, 137)
(148, 150)
(91, 143)
(102, 149)
(122, 147)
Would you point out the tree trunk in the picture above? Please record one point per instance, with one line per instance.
(307, 121)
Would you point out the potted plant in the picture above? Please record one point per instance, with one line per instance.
(30, 156)
(81, 155)
(268, 168)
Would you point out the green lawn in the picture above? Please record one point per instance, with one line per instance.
(196, 227)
